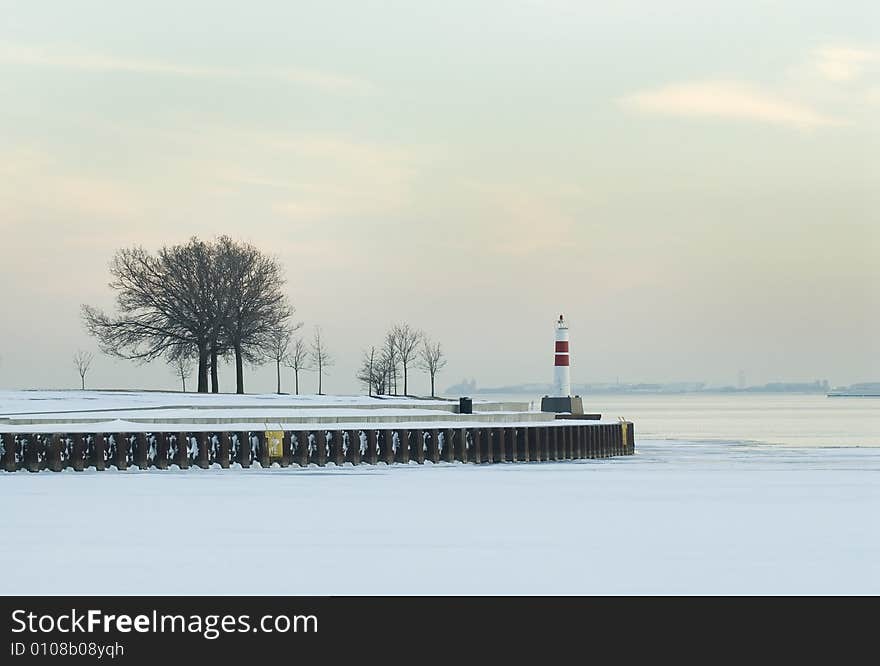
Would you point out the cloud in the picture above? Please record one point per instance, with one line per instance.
(727, 100)
(311, 202)
(522, 219)
(322, 175)
(81, 60)
(845, 63)
(34, 182)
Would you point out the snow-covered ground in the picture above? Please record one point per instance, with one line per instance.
(134, 411)
(23, 402)
(678, 517)
(131, 411)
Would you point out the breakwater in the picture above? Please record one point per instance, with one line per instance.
(479, 443)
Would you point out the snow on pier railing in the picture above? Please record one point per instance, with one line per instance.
(393, 443)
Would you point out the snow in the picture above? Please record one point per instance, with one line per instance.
(47, 402)
(678, 517)
(329, 423)
(701, 508)
(122, 411)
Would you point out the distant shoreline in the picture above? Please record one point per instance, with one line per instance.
(527, 392)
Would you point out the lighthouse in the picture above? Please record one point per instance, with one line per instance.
(561, 401)
(561, 372)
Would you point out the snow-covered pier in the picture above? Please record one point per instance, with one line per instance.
(57, 430)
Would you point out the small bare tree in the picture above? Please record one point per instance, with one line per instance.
(365, 374)
(390, 361)
(83, 361)
(183, 367)
(382, 374)
(320, 357)
(298, 359)
(374, 371)
(432, 360)
(405, 340)
(276, 346)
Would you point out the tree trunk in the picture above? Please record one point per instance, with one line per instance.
(215, 383)
(203, 370)
(432, 385)
(278, 373)
(239, 371)
(405, 388)
(83, 380)
(296, 379)
(183, 379)
(320, 377)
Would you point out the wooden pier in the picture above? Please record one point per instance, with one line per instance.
(390, 444)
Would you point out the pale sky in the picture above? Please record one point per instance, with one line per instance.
(694, 184)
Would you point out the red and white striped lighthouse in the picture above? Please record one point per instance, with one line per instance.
(561, 373)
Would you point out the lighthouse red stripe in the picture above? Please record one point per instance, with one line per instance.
(561, 346)
(561, 359)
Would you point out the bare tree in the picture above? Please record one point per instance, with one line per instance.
(217, 298)
(373, 372)
(167, 301)
(298, 359)
(253, 304)
(365, 374)
(405, 340)
(183, 365)
(321, 359)
(83, 361)
(432, 360)
(276, 346)
(390, 362)
(382, 373)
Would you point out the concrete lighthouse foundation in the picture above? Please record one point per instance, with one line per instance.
(571, 404)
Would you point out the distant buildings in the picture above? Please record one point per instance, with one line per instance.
(464, 387)
(866, 390)
(819, 386)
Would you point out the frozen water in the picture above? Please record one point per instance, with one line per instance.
(678, 517)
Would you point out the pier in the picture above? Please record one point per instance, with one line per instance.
(229, 431)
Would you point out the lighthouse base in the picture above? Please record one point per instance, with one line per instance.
(568, 404)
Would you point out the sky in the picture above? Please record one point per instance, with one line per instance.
(693, 184)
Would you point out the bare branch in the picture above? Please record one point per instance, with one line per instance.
(405, 340)
(432, 360)
(275, 346)
(83, 361)
(373, 372)
(299, 357)
(321, 358)
(183, 366)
